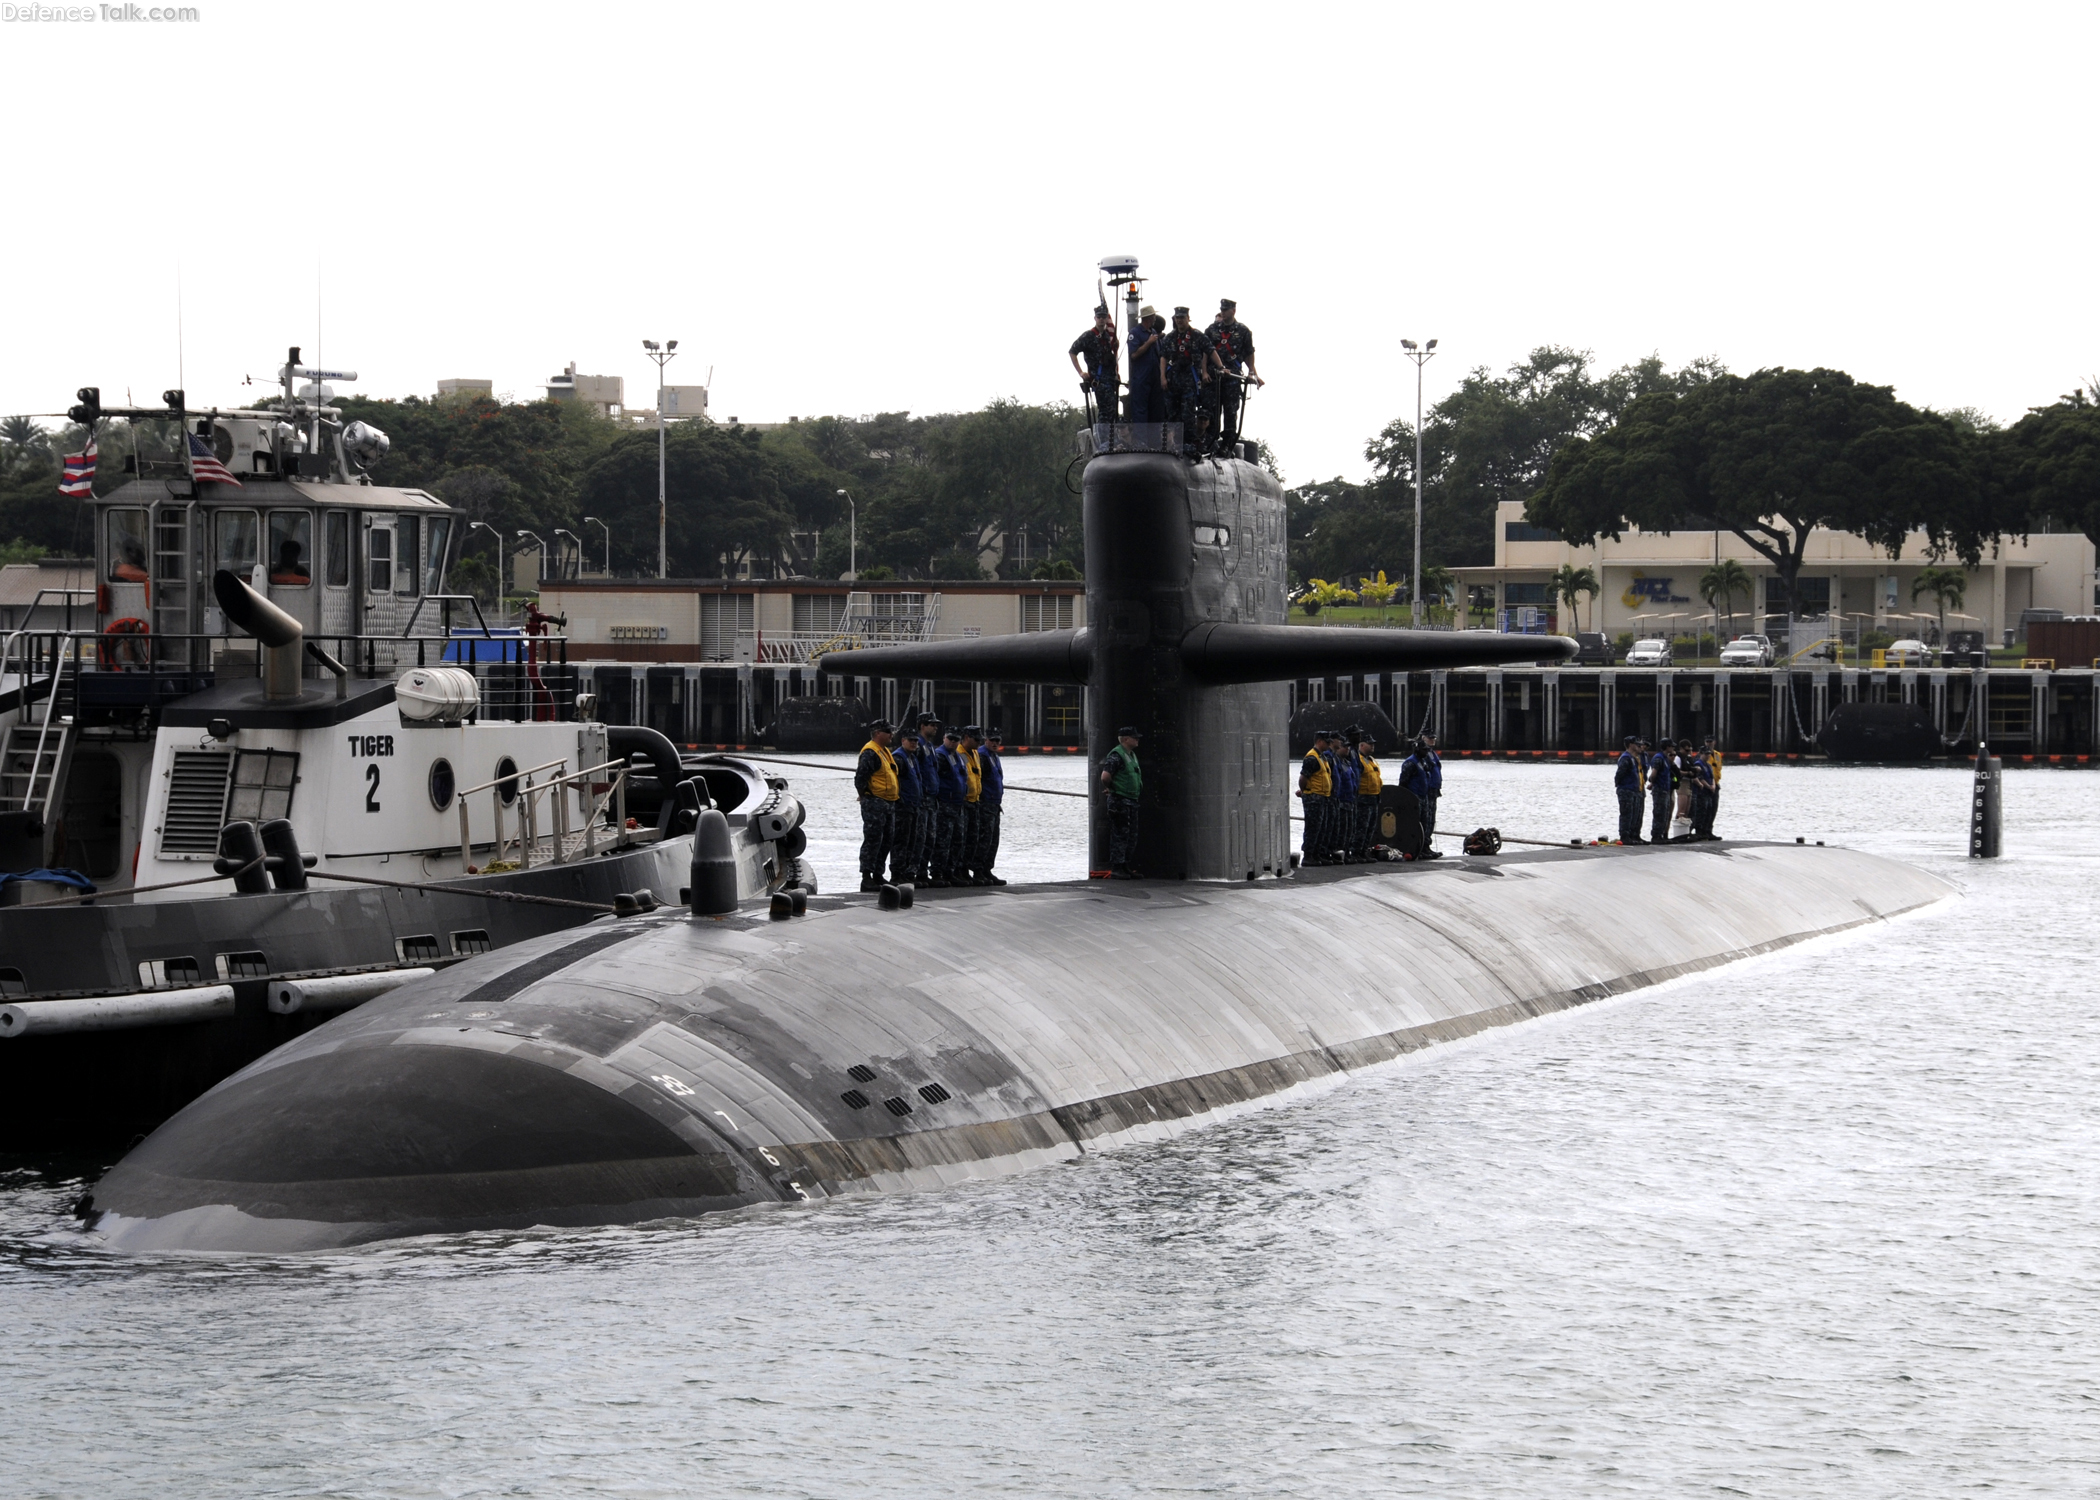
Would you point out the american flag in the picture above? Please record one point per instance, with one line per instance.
(78, 480)
(205, 467)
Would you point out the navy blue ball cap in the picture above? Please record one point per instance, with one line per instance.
(1130, 731)
(884, 725)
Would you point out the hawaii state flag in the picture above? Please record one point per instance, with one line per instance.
(78, 480)
(205, 467)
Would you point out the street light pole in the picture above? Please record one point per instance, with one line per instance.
(572, 536)
(662, 356)
(594, 521)
(1421, 357)
(852, 537)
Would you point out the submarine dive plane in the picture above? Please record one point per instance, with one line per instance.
(731, 1053)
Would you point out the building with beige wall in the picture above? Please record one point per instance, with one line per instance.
(789, 621)
(1650, 580)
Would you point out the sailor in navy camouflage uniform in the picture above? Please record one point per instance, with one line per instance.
(1234, 342)
(1190, 360)
(1098, 347)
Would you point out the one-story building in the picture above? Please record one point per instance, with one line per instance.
(1650, 582)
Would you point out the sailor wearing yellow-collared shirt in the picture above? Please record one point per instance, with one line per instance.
(1370, 782)
(966, 872)
(875, 780)
(1316, 796)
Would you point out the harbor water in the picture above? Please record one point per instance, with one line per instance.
(1826, 1223)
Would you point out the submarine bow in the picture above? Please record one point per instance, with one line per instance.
(1185, 639)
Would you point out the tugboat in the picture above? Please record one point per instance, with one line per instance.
(277, 778)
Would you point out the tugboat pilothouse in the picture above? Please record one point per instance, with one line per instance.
(286, 769)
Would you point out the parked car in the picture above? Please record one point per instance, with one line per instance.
(1748, 651)
(1907, 653)
(1593, 649)
(1651, 651)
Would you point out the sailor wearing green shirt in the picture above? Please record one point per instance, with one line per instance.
(1125, 782)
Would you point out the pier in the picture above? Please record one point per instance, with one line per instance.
(2025, 713)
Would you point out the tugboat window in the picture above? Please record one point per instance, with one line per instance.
(237, 542)
(441, 784)
(291, 548)
(434, 554)
(507, 780)
(127, 546)
(337, 530)
(405, 554)
(379, 559)
(262, 784)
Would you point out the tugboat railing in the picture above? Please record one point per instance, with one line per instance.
(506, 665)
(527, 791)
(65, 651)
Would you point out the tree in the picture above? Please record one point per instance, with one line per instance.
(725, 505)
(1438, 582)
(2046, 467)
(1493, 438)
(1571, 582)
(1340, 530)
(25, 440)
(1949, 586)
(1378, 592)
(1772, 457)
(1719, 585)
(1003, 469)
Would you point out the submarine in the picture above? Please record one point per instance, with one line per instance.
(727, 1053)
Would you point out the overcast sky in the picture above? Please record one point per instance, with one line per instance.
(855, 208)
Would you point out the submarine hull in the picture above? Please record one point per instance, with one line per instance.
(675, 1065)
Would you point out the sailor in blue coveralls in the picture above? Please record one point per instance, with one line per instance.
(1626, 781)
(1423, 775)
(905, 858)
(1347, 775)
(944, 852)
(1662, 793)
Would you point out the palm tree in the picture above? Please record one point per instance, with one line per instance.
(1950, 586)
(1436, 582)
(20, 432)
(1719, 585)
(22, 435)
(1570, 582)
